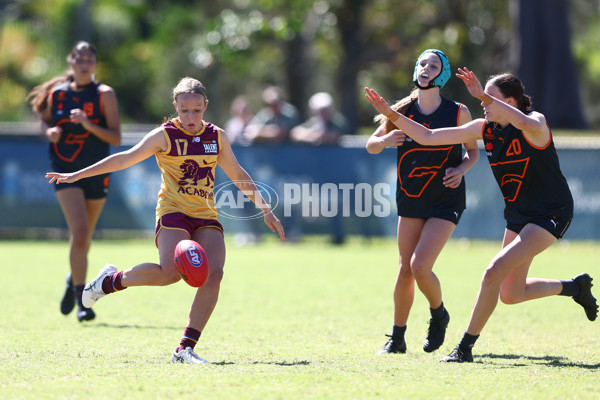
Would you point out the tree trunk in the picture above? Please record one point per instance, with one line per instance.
(83, 21)
(297, 73)
(546, 65)
(349, 25)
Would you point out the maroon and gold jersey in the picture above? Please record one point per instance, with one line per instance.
(529, 176)
(420, 192)
(77, 147)
(188, 170)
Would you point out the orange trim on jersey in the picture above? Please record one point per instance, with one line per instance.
(421, 171)
(460, 106)
(51, 98)
(536, 147)
(483, 129)
(513, 177)
(101, 101)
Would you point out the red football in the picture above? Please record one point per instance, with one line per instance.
(191, 263)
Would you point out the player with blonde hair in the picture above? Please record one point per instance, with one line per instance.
(186, 206)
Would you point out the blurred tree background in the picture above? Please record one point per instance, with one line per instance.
(240, 46)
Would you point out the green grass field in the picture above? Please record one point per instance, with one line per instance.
(294, 321)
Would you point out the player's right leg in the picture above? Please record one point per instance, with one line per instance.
(110, 280)
(73, 206)
(409, 232)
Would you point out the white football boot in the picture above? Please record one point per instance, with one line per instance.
(93, 290)
(187, 356)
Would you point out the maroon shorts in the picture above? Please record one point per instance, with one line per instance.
(184, 223)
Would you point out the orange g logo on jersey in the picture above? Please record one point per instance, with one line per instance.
(512, 179)
(88, 108)
(194, 172)
(420, 177)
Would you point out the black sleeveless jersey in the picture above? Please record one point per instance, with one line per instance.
(77, 147)
(420, 192)
(529, 177)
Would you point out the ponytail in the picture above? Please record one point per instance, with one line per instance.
(401, 107)
(510, 86)
(525, 103)
(38, 97)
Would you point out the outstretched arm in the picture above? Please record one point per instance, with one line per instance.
(420, 133)
(151, 144)
(242, 179)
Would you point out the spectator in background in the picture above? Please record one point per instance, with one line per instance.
(249, 229)
(241, 115)
(324, 127)
(273, 123)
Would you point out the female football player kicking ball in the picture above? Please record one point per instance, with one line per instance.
(538, 202)
(187, 150)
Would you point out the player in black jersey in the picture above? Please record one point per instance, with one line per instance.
(539, 206)
(80, 118)
(430, 195)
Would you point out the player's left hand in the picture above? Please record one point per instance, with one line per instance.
(79, 117)
(471, 82)
(379, 103)
(60, 177)
(453, 177)
(274, 224)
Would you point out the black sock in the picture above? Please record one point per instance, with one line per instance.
(78, 289)
(437, 313)
(468, 341)
(570, 288)
(398, 331)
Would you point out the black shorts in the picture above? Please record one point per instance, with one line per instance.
(452, 216)
(557, 226)
(95, 187)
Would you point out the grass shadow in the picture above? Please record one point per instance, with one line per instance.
(552, 361)
(283, 363)
(127, 326)
(279, 363)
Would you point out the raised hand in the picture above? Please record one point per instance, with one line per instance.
(379, 102)
(471, 82)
